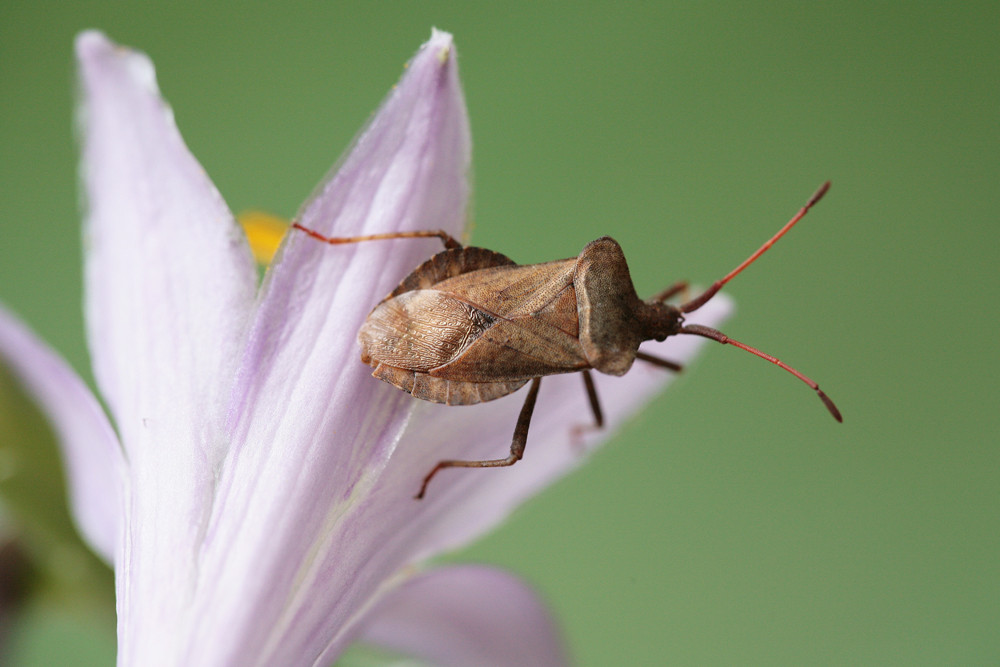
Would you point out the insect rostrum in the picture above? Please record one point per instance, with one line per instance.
(469, 325)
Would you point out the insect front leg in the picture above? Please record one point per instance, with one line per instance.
(447, 239)
(679, 287)
(516, 445)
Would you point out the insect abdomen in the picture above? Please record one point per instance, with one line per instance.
(441, 390)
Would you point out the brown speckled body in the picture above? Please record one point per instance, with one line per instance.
(469, 325)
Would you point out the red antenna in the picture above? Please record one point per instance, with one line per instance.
(718, 336)
(698, 302)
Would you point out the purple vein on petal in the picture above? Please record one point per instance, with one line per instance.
(310, 427)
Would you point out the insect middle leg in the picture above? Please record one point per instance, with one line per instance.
(595, 402)
(576, 433)
(659, 361)
(516, 445)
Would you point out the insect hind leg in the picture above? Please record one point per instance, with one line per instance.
(516, 445)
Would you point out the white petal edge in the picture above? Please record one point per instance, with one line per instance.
(466, 615)
(93, 457)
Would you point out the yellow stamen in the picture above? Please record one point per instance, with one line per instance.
(264, 232)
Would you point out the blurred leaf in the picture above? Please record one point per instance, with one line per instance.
(46, 635)
(32, 489)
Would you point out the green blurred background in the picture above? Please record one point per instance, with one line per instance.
(734, 522)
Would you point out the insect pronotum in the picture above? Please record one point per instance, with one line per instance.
(469, 325)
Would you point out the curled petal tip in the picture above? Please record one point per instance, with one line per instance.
(442, 44)
(440, 37)
(96, 53)
(90, 42)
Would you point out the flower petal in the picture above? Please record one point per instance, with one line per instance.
(94, 465)
(165, 329)
(277, 574)
(164, 326)
(466, 615)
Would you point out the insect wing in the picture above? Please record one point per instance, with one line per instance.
(519, 290)
(420, 330)
(534, 323)
(515, 350)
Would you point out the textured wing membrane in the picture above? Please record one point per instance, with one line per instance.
(514, 291)
(420, 330)
(515, 350)
(469, 326)
(534, 326)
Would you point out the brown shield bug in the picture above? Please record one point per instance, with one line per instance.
(469, 325)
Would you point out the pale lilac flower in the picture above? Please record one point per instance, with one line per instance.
(255, 494)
